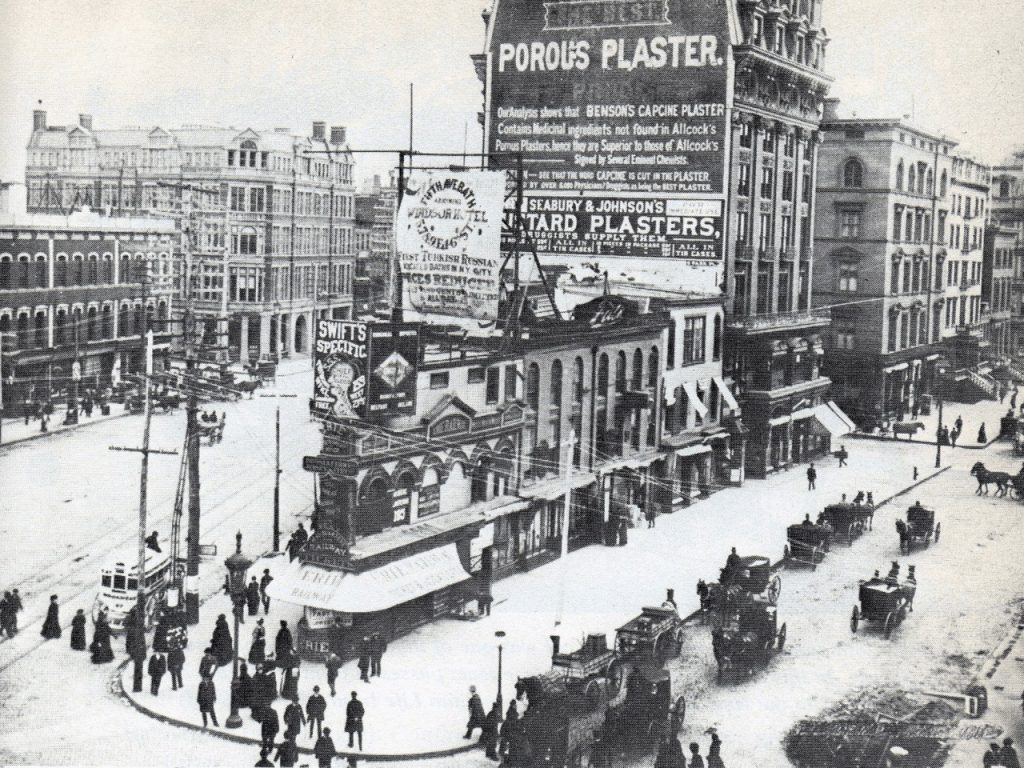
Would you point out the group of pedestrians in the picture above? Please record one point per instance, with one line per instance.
(297, 541)
(371, 653)
(670, 753)
(1001, 757)
(10, 607)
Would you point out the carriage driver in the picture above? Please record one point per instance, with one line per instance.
(807, 521)
(732, 564)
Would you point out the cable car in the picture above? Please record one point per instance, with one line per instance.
(119, 588)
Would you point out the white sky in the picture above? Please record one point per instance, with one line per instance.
(263, 64)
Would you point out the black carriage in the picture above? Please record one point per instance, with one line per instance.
(747, 639)
(589, 703)
(887, 601)
(919, 528)
(655, 635)
(807, 544)
(739, 583)
(847, 521)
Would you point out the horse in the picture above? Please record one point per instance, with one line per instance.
(984, 476)
(908, 428)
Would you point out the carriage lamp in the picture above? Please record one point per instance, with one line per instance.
(237, 566)
(941, 367)
(499, 634)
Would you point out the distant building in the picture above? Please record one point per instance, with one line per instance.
(71, 292)
(1000, 269)
(271, 215)
(1007, 203)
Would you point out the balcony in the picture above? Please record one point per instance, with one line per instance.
(782, 321)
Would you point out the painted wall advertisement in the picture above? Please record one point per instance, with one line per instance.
(364, 369)
(448, 238)
(618, 108)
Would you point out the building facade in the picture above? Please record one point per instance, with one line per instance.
(899, 259)
(999, 270)
(72, 291)
(1007, 215)
(269, 214)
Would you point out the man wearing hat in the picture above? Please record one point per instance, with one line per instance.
(324, 748)
(991, 758)
(1008, 755)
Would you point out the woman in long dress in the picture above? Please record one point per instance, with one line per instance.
(258, 649)
(51, 627)
(101, 650)
(78, 631)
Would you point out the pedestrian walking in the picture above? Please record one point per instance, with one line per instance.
(263, 762)
(208, 664)
(135, 647)
(508, 726)
(220, 643)
(992, 756)
(982, 437)
(842, 455)
(324, 748)
(290, 681)
(175, 664)
(489, 732)
(377, 648)
(651, 515)
(293, 546)
(157, 669)
(264, 583)
(287, 752)
(476, 712)
(1008, 754)
(270, 724)
(269, 681)
(78, 631)
(959, 423)
(812, 475)
(102, 653)
(51, 627)
(953, 437)
(6, 608)
(294, 719)
(206, 698)
(333, 664)
(243, 697)
(258, 648)
(16, 607)
(301, 536)
(283, 646)
(364, 660)
(696, 761)
(252, 596)
(354, 712)
(316, 708)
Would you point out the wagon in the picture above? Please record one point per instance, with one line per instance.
(748, 639)
(886, 601)
(848, 521)
(656, 635)
(807, 544)
(918, 529)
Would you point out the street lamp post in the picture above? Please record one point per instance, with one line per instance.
(499, 634)
(940, 372)
(237, 566)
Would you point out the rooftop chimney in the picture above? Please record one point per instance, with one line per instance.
(555, 641)
(831, 109)
(38, 119)
(85, 121)
(337, 134)
(319, 130)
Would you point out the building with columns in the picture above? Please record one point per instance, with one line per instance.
(900, 234)
(1007, 203)
(270, 216)
(71, 290)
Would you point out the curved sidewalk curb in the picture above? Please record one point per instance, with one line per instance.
(882, 439)
(381, 757)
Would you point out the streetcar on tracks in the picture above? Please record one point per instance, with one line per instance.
(118, 592)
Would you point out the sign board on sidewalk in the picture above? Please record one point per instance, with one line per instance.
(336, 465)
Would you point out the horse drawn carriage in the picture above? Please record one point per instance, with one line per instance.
(656, 635)
(848, 521)
(918, 529)
(742, 579)
(885, 600)
(807, 543)
(748, 638)
(592, 702)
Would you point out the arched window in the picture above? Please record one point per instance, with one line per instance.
(533, 386)
(602, 376)
(577, 380)
(912, 178)
(1004, 186)
(24, 342)
(24, 268)
(90, 325)
(60, 328)
(555, 412)
(555, 393)
(108, 268)
(637, 381)
(620, 373)
(42, 279)
(60, 270)
(652, 369)
(107, 323)
(899, 176)
(929, 184)
(77, 328)
(6, 263)
(853, 174)
(137, 331)
(124, 321)
(41, 330)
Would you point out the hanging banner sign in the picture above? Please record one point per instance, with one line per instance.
(608, 101)
(341, 355)
(395, 349)
(448, 239)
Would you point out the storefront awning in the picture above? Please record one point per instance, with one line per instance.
(693, 450)
(554, 488)
(778, 421)
(839, 412)
(375, 590)
(803, 413)
(827, 422)
(690, 387)
(894, 368)
(730, 399)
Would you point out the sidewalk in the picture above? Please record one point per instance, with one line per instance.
(17, 431)
(988, 412)
(418, 706)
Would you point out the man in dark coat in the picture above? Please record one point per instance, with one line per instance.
(377, 648)
(78, 631)
(991, 758)
(208, 664)
(489, 732)
(283, 646)
(812, 475)
(301, 536)
(270, 724)
(51, 627)
(333, 664)
(290, 683)
(175, 663)
(153, 542)
(316, 708)
(101, 650)
(252, 596)
(324, 749)
(244, 697)
(364, 660)
(16, 607)
(264, 583)
(354, 712)
(508, 727)
(294, 718)
(287, 752)
(1008, 755)
(135, 647)
(223, 650)
(206, 698)
(714, 752)
(157, 668)
(476, 713)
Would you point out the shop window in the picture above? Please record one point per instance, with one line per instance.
(439, 380)
(493, 385)
(477, 375)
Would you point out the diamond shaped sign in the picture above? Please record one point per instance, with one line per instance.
(394, 370)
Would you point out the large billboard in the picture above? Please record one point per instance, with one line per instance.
(448, 239)
(607, 102)
(364, 370)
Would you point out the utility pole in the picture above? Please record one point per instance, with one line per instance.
(569, 445)
(277, 464)
(192, 441)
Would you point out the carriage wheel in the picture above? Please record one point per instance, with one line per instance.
(615, 675)
(782, 637)
(774, 590)
(938, 528)
(594, 693)
(678, 637)
(678, 714)
(890, 623)
(663, 647)
(854, 619)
